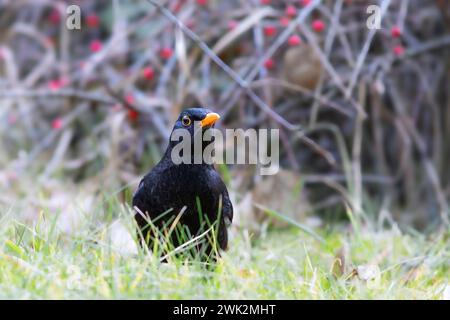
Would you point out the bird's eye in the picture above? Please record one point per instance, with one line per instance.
(186, 121)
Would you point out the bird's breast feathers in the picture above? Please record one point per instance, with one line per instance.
(182, 183)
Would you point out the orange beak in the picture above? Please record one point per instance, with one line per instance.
(210, 119)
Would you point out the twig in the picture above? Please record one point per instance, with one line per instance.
(429, 45)
(419, 142)
(61, 93)
(363, 54)
(331, 71)
(320, 99)
(328, 45)
(237, 78)
(271, 51)
(328, 156)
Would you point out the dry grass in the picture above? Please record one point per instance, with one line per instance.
(374, 124)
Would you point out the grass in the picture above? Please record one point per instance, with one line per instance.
(43, 262)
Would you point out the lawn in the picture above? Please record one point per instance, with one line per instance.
(99, 259)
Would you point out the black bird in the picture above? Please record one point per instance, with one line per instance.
(192, 196)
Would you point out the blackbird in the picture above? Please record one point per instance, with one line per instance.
(191, 196)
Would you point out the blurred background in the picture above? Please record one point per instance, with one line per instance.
(85, 113)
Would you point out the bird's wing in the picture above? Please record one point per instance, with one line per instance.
(139, 196)
(139, 188)
(142, 195)
(227, 207)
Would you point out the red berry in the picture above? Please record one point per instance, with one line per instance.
(318, 25)
(232, 24)
(269, 64)
(294, 40)
(396, 32)
(270, 31)
(305, 3)
(148, 73)
(133, 115)
(54, 17)
(202, 2)
(96, 46)
(166, 53)
(291, 11)
(50, 41)
(284, 21)
(54, 85)
(57, 123)
(92, 20)
(129, 99)
(178, 5)
(57, 84)
(399, 50)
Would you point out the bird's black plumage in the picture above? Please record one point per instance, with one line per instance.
(169, 187)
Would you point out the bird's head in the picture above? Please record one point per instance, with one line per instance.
(195, 121)
(203, 117)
